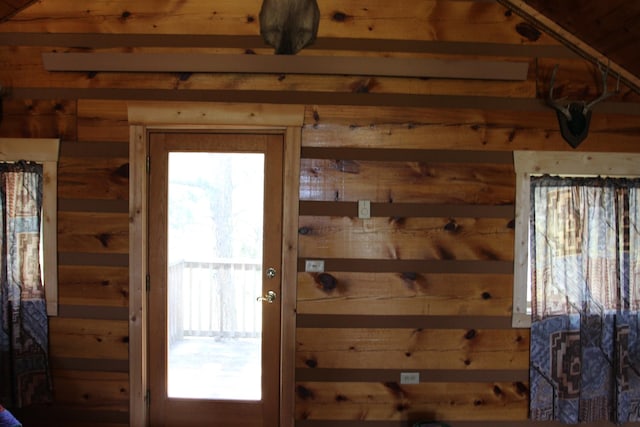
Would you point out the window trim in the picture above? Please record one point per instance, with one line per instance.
(528, 163)
(44, 151)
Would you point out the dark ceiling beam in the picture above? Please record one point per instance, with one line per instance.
(286, 64)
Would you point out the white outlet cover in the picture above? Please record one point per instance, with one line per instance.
(409, 377)
(364, 209)
(314, 266)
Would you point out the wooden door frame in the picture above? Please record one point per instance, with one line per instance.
(146, 117)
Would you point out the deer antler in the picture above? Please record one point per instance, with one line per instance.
(605, 94)
(564, 109)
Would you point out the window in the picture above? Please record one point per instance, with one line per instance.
(530, 163)
(44, 151)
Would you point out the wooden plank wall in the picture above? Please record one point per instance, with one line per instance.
(424, 285)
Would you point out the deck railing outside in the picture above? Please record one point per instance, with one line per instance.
(214, 299)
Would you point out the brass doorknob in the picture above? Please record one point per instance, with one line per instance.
(270, 297)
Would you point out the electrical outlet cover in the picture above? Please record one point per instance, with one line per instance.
(314, 266)
(409, 377)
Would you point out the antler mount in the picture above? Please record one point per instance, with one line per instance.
(574, 117)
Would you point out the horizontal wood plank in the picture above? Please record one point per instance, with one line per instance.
(38, 118)
(407, 155)
(490, 128)
(97, 312)
(88, 338)
(33, 75)
(424, 20)
(93, 286)
(93, 178)
(391, 401)
(96, 390)
(406, 238)
(408, 293)
(78, 364)
(418, 182)
(102, 120)
(351, 348)
(93, 232)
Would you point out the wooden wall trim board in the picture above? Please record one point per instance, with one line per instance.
(407, 154)
(115, 149)
(288, 64)
(430, 266)
(93, 205)
(170, 117)
(173, 115)
(34, 149)
(403, 321)
(426, 375)
(94, 259)
(312, 98)
(290, 203)
(138, 271)
(350, 209)
(110, 40)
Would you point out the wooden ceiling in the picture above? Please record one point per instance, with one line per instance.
(8, 8)
(599, 30)
(611, 27)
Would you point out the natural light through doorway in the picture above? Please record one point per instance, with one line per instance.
(215, 235)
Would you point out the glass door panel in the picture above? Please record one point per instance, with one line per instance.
(214, 249)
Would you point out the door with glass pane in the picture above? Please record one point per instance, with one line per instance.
(214, 290)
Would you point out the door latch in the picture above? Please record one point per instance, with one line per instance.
(270, 297)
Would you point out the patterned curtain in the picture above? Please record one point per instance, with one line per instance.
(585, 273)
(24, 372)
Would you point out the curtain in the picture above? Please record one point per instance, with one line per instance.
(24, 370)
(585, 272)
